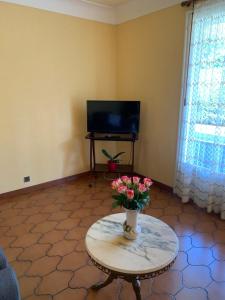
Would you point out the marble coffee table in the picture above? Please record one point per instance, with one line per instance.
(151, 254)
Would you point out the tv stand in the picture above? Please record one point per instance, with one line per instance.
(122, 169)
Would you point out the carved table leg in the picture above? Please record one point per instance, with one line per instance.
(105, 283)
(136, 287)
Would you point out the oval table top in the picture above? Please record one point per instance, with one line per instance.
(155, 248)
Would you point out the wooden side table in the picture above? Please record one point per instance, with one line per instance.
(151, 254)
(96, 167)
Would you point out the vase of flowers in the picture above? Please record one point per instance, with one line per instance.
(132, 194)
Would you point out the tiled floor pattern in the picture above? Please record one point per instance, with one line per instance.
(43, 233)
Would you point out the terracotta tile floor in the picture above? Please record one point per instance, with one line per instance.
(43, 233)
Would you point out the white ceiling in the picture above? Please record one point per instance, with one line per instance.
(107, 2)
(107, 11)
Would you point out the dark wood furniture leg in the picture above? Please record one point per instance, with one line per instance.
(109, 280)
(132, 157)
(137, 288)
(135, 283)
(93, 148)
(91, 163)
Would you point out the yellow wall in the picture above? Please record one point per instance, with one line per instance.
(150, 52)
(49, 65)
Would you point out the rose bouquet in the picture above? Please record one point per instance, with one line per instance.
(131, 192)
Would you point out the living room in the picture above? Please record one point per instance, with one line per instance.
(56, 55)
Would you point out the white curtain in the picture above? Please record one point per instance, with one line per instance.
(201, 156)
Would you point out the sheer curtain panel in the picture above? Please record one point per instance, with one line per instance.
(201, 155)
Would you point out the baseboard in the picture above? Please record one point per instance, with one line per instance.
(163, 186)
(42, 186)
(160, 185)
(67, 179)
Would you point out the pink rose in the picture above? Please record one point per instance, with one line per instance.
(136, 179)
(126, 179)
(142, 188)
(130, 194)
(122, 189)
(119, 181)
(115, 184)
(148, 182)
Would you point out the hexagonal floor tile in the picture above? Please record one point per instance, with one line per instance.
(181, 262)
(185, 243)
(52, 237)
(218, 270)
(44, 297)
(219, 236)
(76, 234)
(86, 277)
(205, 226)
(62, 248)
(59, 216)
(202, 239)
(161, 297)
(26, 240)
(13, 221)
(6, 241)
(170, 220)
(191, 294)
(20, 267)
(73, 261)
(44, 227)
(38, 218)
(196, 277)
(187, 218)
(43, 266)
(169, 282)
(34, 252)
(12, 253)
(19, 230)
(70, 294)
(81, 213)
(219, 251)
(88, 221)
(200, 256)
(28, 285)
(54, 282)
(216, 290)
(52, 208)
(67, 224)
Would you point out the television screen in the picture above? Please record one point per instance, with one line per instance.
(113, 116)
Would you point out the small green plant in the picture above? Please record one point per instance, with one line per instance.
(112, 158)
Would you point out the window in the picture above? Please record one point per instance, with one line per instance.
(204, 121)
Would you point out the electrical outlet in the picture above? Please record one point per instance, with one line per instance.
(26, 179)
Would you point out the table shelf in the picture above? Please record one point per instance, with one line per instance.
(97, 167)
(124, 169)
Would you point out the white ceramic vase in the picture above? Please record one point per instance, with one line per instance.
(130, 226)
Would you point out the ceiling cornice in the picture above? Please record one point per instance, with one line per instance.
(101, 13)
(137, 8)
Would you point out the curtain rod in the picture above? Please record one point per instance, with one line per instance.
(188, 3)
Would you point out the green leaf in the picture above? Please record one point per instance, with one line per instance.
(107, 154)
(115, 204)
(117, 155)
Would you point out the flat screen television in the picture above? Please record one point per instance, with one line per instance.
(113, 116)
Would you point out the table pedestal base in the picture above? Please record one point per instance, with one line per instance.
(134, 279)
(135, 283)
